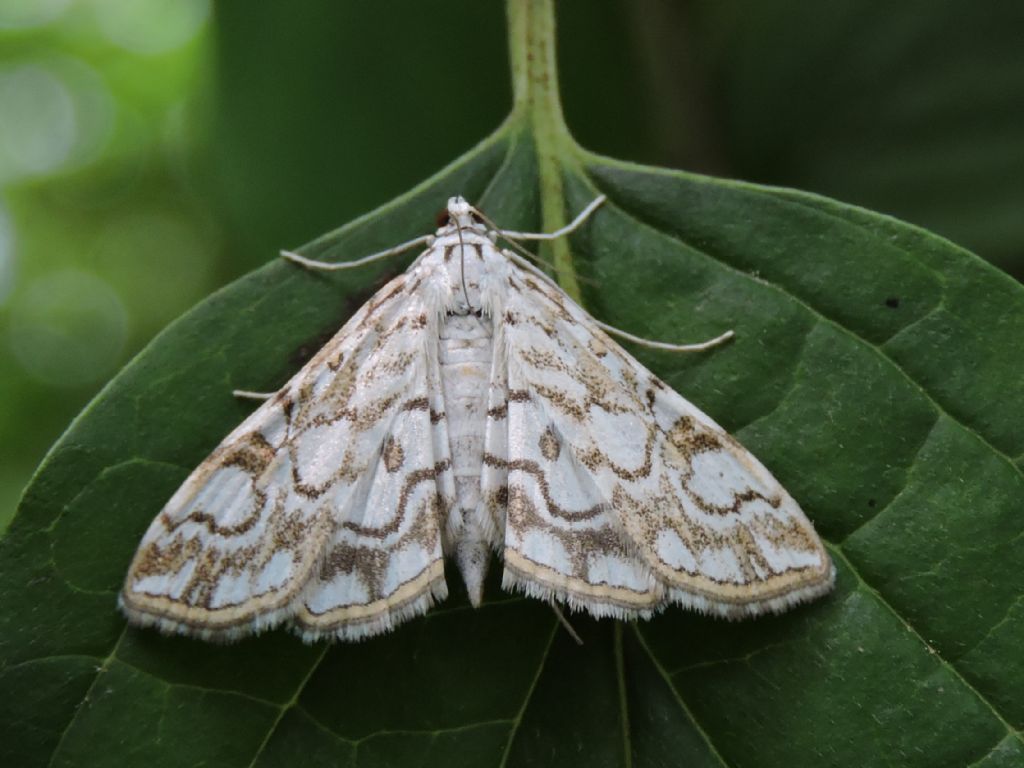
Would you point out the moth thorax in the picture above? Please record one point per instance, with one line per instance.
(464, 280)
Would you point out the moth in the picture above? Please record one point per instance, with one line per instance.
(470, 407)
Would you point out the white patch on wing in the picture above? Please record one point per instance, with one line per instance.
(344, 589)
(320, 451)
(405, 565)
(717, 478)
(674, 552)
(545, 549)
(720, 565)
(618, 571)
(275, 573)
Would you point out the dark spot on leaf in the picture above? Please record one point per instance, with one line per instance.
(893, 302)
(302, 353)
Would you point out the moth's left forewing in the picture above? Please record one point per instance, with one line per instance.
(379, 419)
(319, 508)
(714, 527)
(383, 563)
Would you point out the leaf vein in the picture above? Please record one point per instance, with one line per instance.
(949, 665)
(679, 699)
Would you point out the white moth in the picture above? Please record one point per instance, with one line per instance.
(470, 407)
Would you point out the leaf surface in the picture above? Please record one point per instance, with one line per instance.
(872, 372)
(866, 373)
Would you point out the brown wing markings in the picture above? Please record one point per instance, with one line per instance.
(533, 469)
(578, 544)
(287, 532)
(413, 479)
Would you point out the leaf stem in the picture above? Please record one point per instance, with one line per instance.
(536, 100)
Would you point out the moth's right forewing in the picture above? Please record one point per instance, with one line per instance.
(690, 505)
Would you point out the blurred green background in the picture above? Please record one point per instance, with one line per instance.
(153, 150)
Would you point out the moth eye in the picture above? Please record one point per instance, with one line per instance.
(443, 217)
(476, 217)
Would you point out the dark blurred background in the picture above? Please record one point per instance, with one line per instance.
(152, 150)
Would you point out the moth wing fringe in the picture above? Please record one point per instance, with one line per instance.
(513, 581)
(734, 611)
(255, 625)
(381, 623)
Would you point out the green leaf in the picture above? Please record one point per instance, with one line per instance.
(869, 372)
(914, 108)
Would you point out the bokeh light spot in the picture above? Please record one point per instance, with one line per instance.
(22, 14)
(38, 127)
(151, 26)
(67, 328)
(6, 255)
(94, 104)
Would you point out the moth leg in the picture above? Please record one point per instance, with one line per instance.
(245, 394)
(565, 622)
(327, 266)
(567, 229)
(720, 339)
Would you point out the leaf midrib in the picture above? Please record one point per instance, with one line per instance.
(92, 686)
(518, 720)
(291, 703)
(678, 697)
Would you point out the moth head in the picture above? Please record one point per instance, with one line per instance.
(459, 211)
